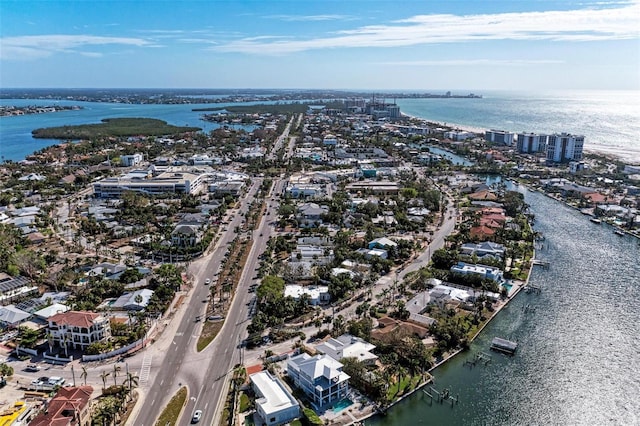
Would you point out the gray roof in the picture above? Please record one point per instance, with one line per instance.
(11, 315)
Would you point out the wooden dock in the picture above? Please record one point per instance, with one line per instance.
(504, 345)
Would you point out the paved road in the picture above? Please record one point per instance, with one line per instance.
(182, 364)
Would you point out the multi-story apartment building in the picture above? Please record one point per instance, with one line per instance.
(499, 136)
(531, 142)
(564, 147)
(78, 329)
(320, 377)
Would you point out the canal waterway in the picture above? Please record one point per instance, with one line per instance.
(578, 355)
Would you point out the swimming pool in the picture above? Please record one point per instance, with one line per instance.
(341, 405)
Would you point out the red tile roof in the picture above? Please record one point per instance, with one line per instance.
(64, 406)
(75, 318)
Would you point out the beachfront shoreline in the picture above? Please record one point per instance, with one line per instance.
(615, 153)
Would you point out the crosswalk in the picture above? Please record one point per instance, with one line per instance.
(145, 369)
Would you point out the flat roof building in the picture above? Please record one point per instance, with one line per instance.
(274, 403)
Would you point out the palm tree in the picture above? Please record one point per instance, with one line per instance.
(132, 379)
(84, 375)
(104, 376)
(116, 369)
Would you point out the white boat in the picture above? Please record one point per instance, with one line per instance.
(596, 221)
(619, 232)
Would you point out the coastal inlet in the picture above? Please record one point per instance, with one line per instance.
(577, 339)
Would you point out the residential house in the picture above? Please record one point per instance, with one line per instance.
(79, 328)
(320, 377)
(134, 301)
(274, 403)
(70, 407)
(310, 215)
(348, 346)
(482, 249)
(481, 270)
(382, 243)
(189, 231)
(12, 317)
(12, 288)
(318, 294)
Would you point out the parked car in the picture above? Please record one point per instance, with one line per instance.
(56, 381)
(32, 368)
(197, 415)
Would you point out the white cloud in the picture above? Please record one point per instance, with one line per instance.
(310, 18)
(572, 25)
(31, 47)
(464, 62)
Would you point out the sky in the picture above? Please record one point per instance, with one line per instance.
(324, 44)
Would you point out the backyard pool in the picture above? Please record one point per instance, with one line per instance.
(341, 405)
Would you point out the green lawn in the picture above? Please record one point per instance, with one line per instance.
(171, 412)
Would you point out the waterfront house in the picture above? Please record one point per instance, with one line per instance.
(79, 328)
(348, 346)
(482, 249)
(274, 403)
(320, 377)
(481, 270)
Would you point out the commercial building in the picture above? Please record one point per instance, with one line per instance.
(172, 182)
(564, 147)
(320, 377)
(274, 403)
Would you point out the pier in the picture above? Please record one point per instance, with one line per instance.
(504, 345)
(542, 263)
(441, 397)
(479, 358)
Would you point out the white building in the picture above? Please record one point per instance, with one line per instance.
(318, 294)
(481, 270)
(168, 182)
(131, 160)
(348, 346)
(456, 135)
(531, 142)
(499, 136)
(274, 403)
(564, 147)
(79, 329)
(320, 377)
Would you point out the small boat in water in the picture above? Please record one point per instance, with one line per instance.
(596, 221)
(619, 232)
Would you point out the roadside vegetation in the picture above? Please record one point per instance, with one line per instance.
(173, 409)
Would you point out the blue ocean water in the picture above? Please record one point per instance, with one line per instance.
(610, 120)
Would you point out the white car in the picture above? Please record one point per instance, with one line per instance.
(197, 415)
(207, 281)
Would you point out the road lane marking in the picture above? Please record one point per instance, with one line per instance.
(144, 369)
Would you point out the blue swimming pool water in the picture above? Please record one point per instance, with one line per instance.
(341, 405)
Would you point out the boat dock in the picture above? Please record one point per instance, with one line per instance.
(504, 345)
